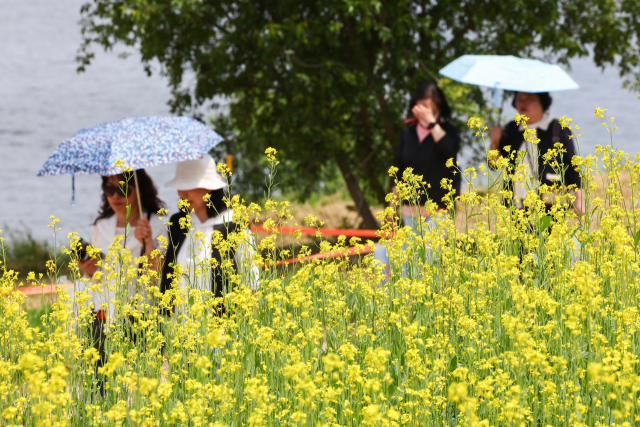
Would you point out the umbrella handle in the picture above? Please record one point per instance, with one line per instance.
(73, 188)
(500, 111)
(135, 178)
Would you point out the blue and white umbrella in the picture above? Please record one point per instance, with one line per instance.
(509, 73)
(140, 141)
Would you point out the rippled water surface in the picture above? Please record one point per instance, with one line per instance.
(44, 101)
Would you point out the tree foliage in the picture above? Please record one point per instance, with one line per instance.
(327, 82)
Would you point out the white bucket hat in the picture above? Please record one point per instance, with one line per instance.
(200, 173)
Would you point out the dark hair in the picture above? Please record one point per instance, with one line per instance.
(433, 92)
(544, 97)
(148, 195)
(216, 203)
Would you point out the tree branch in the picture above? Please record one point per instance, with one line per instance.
(297, 61)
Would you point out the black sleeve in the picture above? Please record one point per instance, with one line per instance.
(571, 176)
(505, 140)
(176, 236)
(449, 145)
(509, 138)
(512, 138)
(399, 162)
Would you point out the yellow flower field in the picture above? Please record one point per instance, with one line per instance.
(527, 318)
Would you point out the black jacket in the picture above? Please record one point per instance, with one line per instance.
(429, 160)
(177, 236)
(513, 137)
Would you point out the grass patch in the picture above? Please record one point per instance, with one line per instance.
(24, 253)
(34, 316)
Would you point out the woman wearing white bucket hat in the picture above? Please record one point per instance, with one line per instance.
(194, 180)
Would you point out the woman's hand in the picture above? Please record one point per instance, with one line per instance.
(88, 267)
(495, 134)
(423, 113)
(144, 234)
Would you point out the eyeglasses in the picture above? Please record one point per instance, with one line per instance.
(526, 100)
(110, 190)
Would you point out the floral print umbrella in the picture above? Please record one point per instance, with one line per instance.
(140, 141)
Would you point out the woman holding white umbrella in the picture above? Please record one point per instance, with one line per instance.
(531, 80)
(535, 107)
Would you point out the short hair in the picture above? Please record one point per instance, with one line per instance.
(544, 97)
(433, 92)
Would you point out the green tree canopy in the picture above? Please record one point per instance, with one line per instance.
(327, 82)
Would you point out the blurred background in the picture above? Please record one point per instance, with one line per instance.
(44, 101)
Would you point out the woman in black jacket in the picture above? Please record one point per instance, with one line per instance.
(426, 144)
(549, 131)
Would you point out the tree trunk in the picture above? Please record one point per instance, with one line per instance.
(388, 125)
(356, 194)
(376, 186)
(367, 152)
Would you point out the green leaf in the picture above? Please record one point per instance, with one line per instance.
(186, 277)
(636, 238)
(332, 340)
(545, 222)
(453, 364)
(582, 355)
(128, 211)
(535, 259)
(127, 229)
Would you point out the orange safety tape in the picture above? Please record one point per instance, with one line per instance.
(46, 289)
(350, 251)
(325, 231)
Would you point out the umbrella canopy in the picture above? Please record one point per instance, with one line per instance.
(509, 73)
(140, 141)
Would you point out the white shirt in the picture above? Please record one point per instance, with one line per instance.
(102, 234)
(191, 249)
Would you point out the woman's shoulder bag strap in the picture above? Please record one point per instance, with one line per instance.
(555, 129)
(217, 282)
(176, 237)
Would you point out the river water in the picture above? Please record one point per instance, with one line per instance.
(44, 101)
